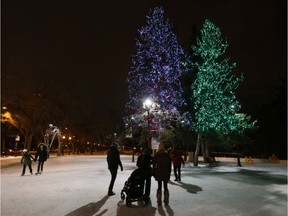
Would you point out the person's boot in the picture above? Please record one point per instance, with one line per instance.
(166, 197)
(111, 193)
(159, 197)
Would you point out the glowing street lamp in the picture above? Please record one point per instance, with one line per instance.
(148, 103)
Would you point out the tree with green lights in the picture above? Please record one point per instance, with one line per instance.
(215, 104)
(156, 72)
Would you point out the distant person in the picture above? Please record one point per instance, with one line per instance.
(177, 160)
(113, 160)
(41, 155)
(26, 160)
(144, 162)
(162, 170)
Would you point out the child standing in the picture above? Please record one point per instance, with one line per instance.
(26, 160)
(177, 162)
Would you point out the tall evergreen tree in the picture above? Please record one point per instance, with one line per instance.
(157, 68)
(215, 104)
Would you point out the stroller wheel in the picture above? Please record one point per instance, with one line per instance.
(128, 201)
(146, 201)
(122, 196)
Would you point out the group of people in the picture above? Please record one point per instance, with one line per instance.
(158, 166)
(27, 158)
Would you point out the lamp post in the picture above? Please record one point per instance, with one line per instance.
(66, 144)
(148, 104)
(129, 135)
(133, 147)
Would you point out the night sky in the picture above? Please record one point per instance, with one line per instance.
(86, 46)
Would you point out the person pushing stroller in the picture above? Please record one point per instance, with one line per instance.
(144, 162)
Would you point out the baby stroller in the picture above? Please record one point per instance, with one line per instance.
(133, 188)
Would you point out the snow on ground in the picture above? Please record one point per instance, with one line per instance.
(77, 186)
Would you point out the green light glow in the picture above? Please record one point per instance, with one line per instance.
(214, 89)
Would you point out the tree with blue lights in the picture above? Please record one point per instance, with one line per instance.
(215, 104)
(157, 70)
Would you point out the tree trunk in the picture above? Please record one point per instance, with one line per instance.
(203, 146)
(205, 151)
(3, 141)
(186, 153)
(207, 155)
(59, 144)
(28, 140)
(198, 143)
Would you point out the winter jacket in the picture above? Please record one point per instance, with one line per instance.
(144, 162)
(26, 159)
(42, 154)
(178, 160)
(162, 166)
(113, 158)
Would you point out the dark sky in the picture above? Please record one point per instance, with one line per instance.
(87, 45)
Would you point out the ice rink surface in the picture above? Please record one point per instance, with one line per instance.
(78, 186)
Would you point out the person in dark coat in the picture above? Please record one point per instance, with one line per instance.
(144, 162)
(41, 155)
(26, 160)
(113, 160)
(162, 171)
